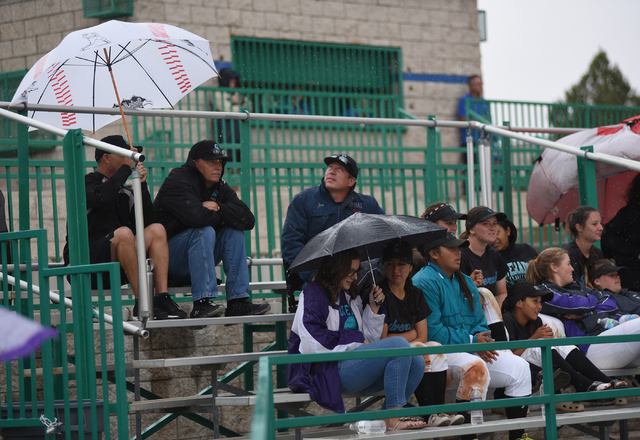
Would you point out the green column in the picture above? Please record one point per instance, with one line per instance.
(245, 172)
(431, 176)
(23, 175)
(506, 163)
(74, 157)
(587, 180)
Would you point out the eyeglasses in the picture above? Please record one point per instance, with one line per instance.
(354, 273)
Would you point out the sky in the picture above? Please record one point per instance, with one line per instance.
(537, 49)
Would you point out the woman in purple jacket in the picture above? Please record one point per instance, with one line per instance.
(581, 309)
(331, 318)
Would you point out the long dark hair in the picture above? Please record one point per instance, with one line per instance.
(409, 296)
(459, 275)
(633, 191)
(334, 269)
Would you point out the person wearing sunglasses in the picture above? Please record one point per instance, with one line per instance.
(320, 207)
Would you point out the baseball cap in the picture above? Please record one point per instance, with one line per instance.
(347, 161)
(445, 212)
(399, 249)
(606, 268)
(450, 241)
(116, 140)
(208, 150)
(522, 289)
(483, 215)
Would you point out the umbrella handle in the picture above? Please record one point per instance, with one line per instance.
(115, 88)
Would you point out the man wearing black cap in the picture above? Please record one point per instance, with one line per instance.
(205, 222)
(112, 227)
(320, 207)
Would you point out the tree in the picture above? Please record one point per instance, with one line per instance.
(603, 84)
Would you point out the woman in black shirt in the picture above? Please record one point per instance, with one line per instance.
(406, 312)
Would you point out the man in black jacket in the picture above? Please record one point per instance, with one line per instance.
(205, 220)
(112, 228)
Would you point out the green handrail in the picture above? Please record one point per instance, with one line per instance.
(264, 422)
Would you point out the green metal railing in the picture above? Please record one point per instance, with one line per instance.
(265, 424)
(63, 385)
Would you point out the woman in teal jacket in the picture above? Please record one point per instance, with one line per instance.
(457, 318)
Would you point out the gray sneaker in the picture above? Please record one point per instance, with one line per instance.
(202, 308)
(438, 420)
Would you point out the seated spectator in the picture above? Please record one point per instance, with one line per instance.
(406, 313)
(112, 227)
(580, 308)
(516, 255)
(604, 275)
(585, 226)
(205, 222)
(320, 207)
(331, 317)
(621, 237)
(443, 215)
(457, 318)
(480, 230)
(521, 317)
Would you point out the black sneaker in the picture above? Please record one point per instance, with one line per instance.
(158, 313)
(202, 308)
(242, 307)
(165, 302)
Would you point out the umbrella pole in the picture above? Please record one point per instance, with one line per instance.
(145, 298)
(373, 277)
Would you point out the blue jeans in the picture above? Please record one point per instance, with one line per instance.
(398, 376)
(194, 254)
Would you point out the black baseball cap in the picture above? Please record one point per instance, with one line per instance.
(116, 140)
(445, 212)
(450, 241)
(607, 268)
(522, 289)
(209, 150)
(347, 161)
(483, 215)
(399, 249)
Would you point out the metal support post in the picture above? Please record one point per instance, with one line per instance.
(587, 180)
(431, 177)
(74, 157)
(471, 173)
(482, 151)
(507, 185)
(145, 297)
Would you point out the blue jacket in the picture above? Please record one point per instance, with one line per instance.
(313, 211)
(320, 327)
(451, 321)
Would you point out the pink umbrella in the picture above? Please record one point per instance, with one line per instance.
(553, 185)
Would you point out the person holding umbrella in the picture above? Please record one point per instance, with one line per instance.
(585, 226)
(457, 318)
(406, 313)
(331, 317)
(112, 231)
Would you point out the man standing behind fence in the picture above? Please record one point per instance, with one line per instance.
(112, 231)
(320, 207)
(205, 222)
(475, 92)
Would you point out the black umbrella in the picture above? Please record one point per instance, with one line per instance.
(368, 233)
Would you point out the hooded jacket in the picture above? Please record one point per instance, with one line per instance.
(178, 205)
(577, 299)
(319, 327)
(517, 256)
(313, 211)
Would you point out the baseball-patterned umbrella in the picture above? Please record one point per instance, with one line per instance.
(153, 65)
